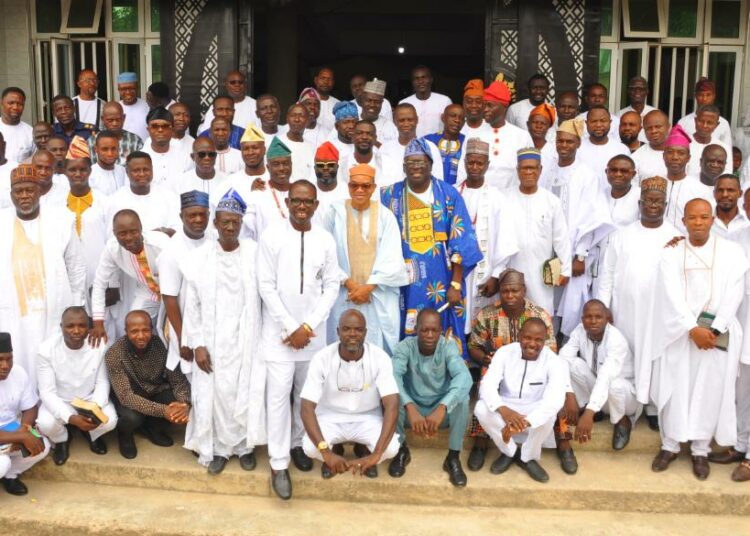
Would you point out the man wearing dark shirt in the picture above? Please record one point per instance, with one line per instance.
(145, 392)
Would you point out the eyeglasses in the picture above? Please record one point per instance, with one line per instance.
(354, 382)
(354, 186)
(415, 163)
(653, 202)
(206, 154)
(295, 202)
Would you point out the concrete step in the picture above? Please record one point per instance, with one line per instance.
(606, 481)
(69, 509)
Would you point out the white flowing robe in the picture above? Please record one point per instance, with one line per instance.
(649, 163)
(158, 208)
(598, 156)
(222, 313)
(679, 193)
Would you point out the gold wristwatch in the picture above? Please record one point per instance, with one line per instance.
(322, 446)
(456, 285)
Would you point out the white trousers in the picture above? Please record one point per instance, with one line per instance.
(54, 428)
(742, 396)
(365, 432)
(621, 399)
(533, 439)
(698, 447)
(285, 428)
(13, 464)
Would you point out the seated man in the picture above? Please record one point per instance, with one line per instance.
(69, 367)
(601, 374)
(146, 394)
(21, 446)
(347, 382)
(433, 382)
(519, 398)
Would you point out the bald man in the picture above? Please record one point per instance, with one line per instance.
(235, 85)
(630, 130)
(649, 159)
(113, 120)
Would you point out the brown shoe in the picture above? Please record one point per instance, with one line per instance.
(662, 461)
(741, 473)
(701, 469)
(726, 457)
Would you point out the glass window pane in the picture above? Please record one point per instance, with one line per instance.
(722, 69)
(155, 21)
(63, 68)
(124, 15)
(48, 16)
(725, 18)
(155, 63)
(129, 57)
(81, 14)
(632, 60)
(644, 15)
(605, 67)
(607, 17)
(683, 18)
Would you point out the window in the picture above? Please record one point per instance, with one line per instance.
(685, 20)
(81, 16)
(610, 20)
(725, 21)
(48, 17)
(644, 18)
(125, 16)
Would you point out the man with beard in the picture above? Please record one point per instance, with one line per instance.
(730, 220)
(107, 175)
(598, 95)
(649, 159)
(428, 104)
(66, 124)
(324, 81)
(228, 159)
(113, 120)
(450, 142)
(598, 148)
(134, 108)
(235, 85)
(223, 108)
(518, 112)
(315, 133)
(253, 149)
(346, 117)
(42, 132)
(706, 121)
(303, 151)
(370, 104)
(630, 130)
(392, 152)
(180, 135)
(268, 112)
(88, 107)
(330, 189)
(473, 107)
(18, 135)
(168, 161)
(713, 163)
(365, 152)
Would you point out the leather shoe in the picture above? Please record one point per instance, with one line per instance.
(476, 458)
(452, 466)
(398, 464)
(620, 437)
(726, 457)
(701, 469)
(247, 461)
(534, 470)
(14, 486)
(61, 453)
(127, 445)
(282, 484)
(599, 416)
(568, 461)
(157, 436)
(741, 473)
(217, 465)
(98, 446)
(653, 422)
(301, 460)
(662, 461)
(501, 464)
(325, 471)
(360, 451)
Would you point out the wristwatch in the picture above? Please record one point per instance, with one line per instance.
(456, 285)
(322, 446)
(580, 258)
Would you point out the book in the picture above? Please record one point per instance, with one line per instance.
(705, 320)
(14, 426)
(90, 410)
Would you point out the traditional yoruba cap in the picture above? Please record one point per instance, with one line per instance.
(252, 134)
(528, 153)
(277, 149)
(345, 110)
(376, 87)
(704, 84)
(572, 126)
(654, 184)
(124, 78)
(497, 92)
(23, 173)
(308, 93)
(418, 146)
(193, 198)
(474, 88)
(362, 170)
(545, 110)
(327, 152)
(677, 137)
(6, 346)
(78, 148)
(232, 202)
(477, 146)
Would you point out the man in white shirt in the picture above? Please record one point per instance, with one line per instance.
(730, 220)
(69, 368)
(597, 94)
(391, 153)
(520, 395)
(629, 132)
(228, 159)
(518, 112)
(19, 139)
(347, 383)
(245, 106)
(303, 152)
(253, 150)
(346, 116)
(204, 177)
(88, 107)
(180, 135)
(371, 104)
(168, 161)
(365, 152)
(107, 175)
(705, 93)
(473, 104)
(315, 132)
(324, 81)
(637, 95)
(649, 159)
(135, 108)
(269, 113)
(429, 104)
(598, 148)
(330, 189)
(706, 121)
(357, 85)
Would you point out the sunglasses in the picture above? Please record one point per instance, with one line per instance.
(354, 186)
(326, 165)
(206, 154)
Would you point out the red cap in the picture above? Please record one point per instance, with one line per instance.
(497, 92)
(327, 152)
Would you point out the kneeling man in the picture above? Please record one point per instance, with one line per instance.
(519, 398)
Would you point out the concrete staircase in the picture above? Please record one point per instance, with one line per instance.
(164, 491)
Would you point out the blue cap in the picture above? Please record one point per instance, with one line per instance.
(124, 78)
(345, 110)
(232, 202)
(193, 199)
(418, 146)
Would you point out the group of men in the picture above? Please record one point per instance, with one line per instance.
(352, 273)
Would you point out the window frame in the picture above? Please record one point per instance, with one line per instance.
(94, 28)
(614, 37)
(662, 17)
(700, 28)
(133, 35)
(708, 38)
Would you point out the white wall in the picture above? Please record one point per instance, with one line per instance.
(15, 49)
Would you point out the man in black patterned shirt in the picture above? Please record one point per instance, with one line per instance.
(145, 392)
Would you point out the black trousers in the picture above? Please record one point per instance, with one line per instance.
(130, 420)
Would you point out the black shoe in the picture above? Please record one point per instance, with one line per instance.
(248, 462)
(14, 486)
(476, 458)
(360, 451)
(568, 461)
(325, 471)
(301, 460)
(98, 446)
(452, 466)
(620, 437)
(282, 484)
(534, 470)
(127, 445)
(501, 464)
(217, 465)
(61, 453)
(157, 436)
(653, 422)
(598, 416)
(398, 464)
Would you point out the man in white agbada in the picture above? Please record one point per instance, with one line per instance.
(42, 265)
(303, 152)
(222, 327)
(429, 104)
(298, 278)
(205, 176)
(519, 398)
(68, 367)
(540, 228)
(364, 139)
(18, 135)
(107, 175)
(598, 148)
(586, 212)
(705, 93)
(730, 219)
(350, 394)
(346, 116)
(601, 375)
(315, 131)
(598, 95)
(695, 340)
(324, 81)
(135, 108)
(228, 157)
(253, 150)
(330, 189)
(649, 158)
(368, 247)
(492, 217)
(195, 215)
(537, 88)
(244, 105)
(169, 160)
(628, 278)
(370, 105)
(706, 120)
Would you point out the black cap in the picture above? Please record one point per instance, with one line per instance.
(5, 345)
